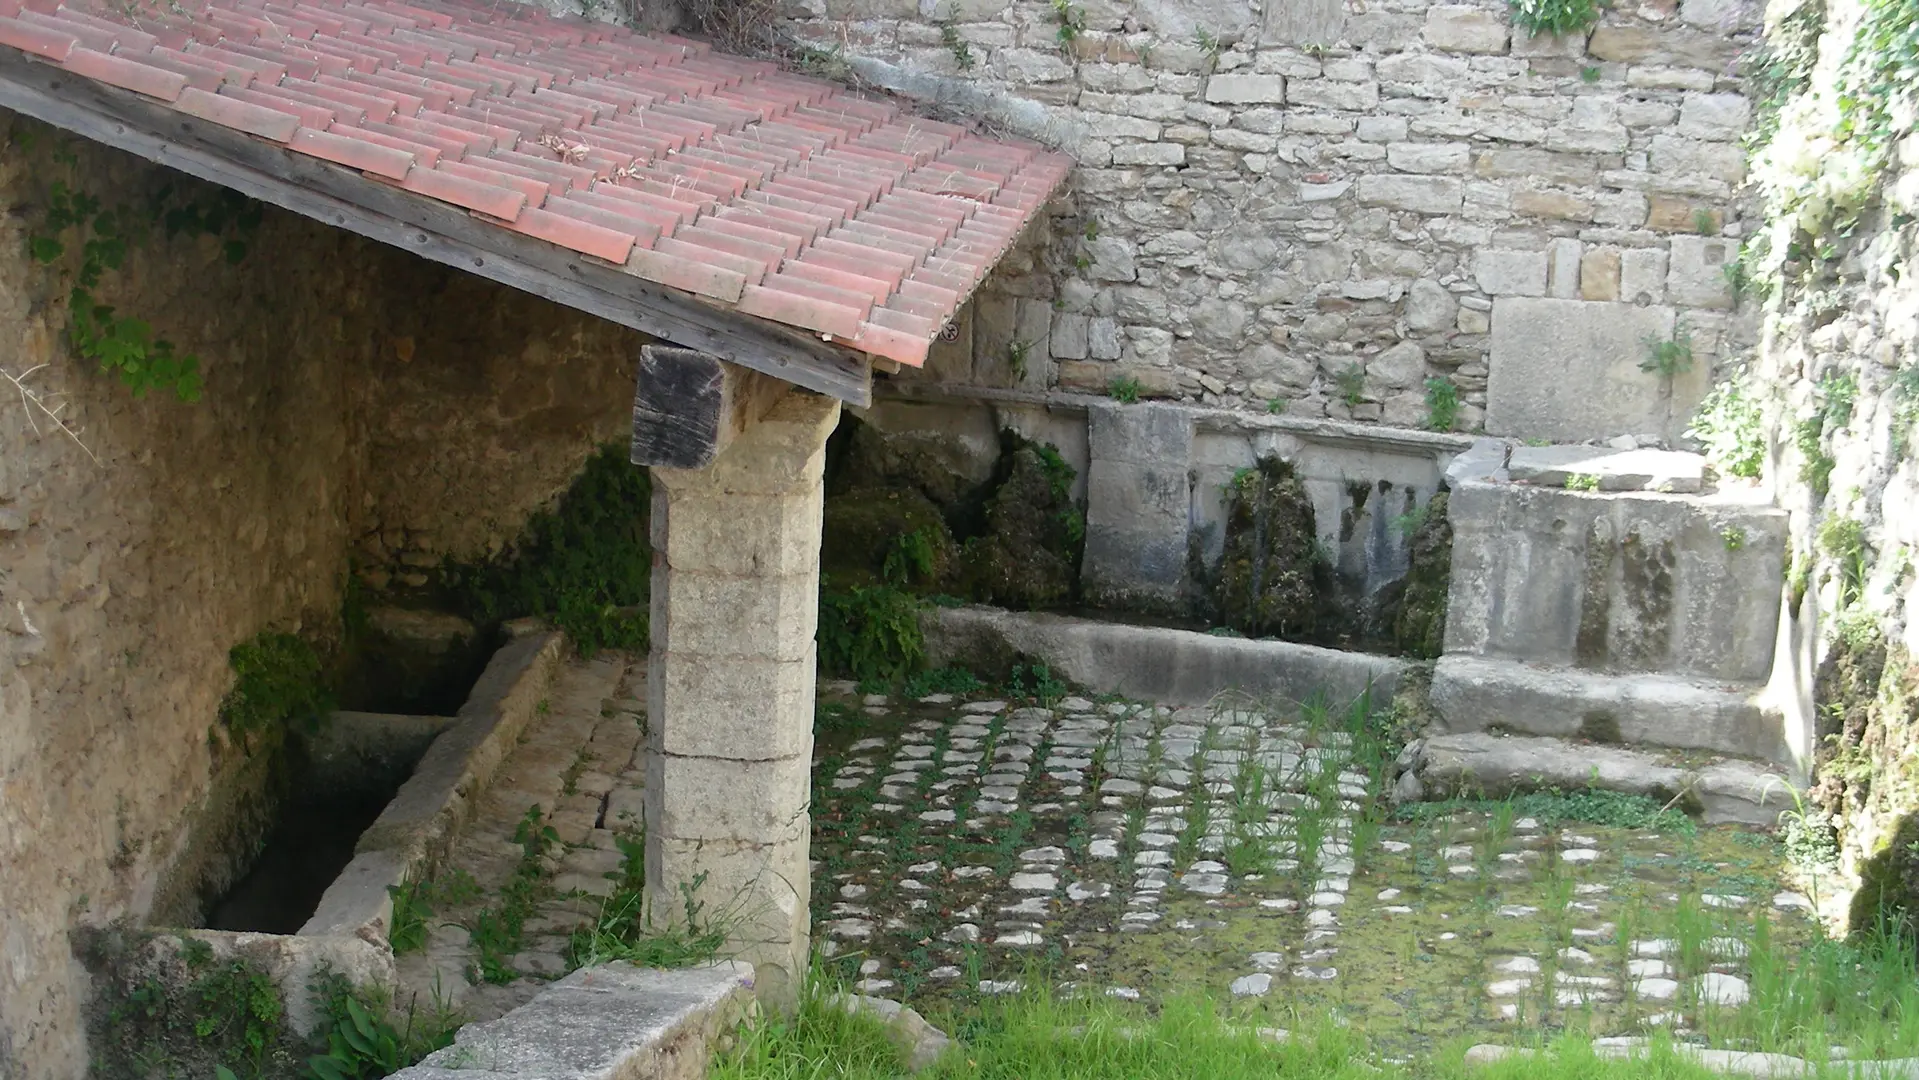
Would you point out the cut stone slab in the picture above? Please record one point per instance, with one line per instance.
(1474, 693)
(603, 1023)
(1175, 667)
(1669, 471)
(1497, 765)
(1568, 370)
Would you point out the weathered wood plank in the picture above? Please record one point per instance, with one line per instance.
(346, 199)
(687, 406)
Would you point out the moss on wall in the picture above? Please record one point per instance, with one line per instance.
(1419, 624)
(1273, 576)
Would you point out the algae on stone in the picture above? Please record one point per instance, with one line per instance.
(1029, 554)
(1273, 575)
(894, 535)
(1419, 625)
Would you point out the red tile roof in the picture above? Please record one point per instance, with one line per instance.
(780, 196)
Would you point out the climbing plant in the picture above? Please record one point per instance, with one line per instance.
(76, 220)
(1555, 16)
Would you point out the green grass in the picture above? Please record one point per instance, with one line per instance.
(1551, 808)
(1035, 1036)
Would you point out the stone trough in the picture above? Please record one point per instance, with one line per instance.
(348, 930)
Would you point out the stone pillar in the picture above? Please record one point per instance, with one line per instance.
(1138, 506)
(736, 551)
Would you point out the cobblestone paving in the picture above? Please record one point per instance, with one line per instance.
(972, 846)
(968, 847)
(578, 762)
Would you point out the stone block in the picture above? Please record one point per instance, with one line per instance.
(732, 707)
(1429, 306)
(1465, 28)
(1102, 339)
(1552, 204)
(608, 1020)
(1555, 577)
(1326, 94)
(1562, 278)
(1697, 277)
(1428, 157)
(1542, 166)
(1069, 339)
(1110, 259)
(1643, 77)
(738, 534)
(1419, 194)
(1137, 498)
(1610, 469)
(1381, 129)
(1642, 276)
(1599, 274)
(1155, 153)
(1568, 370)
(1399, 367)
(702, 798)
(1113, 126)
(1692, 159)
(1246, 89)
(1719, 117)
(1510, 273)
(1530, 45)
(734, 616)
(1669, 214)
(757, 891)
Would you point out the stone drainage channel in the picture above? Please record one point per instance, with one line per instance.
(964, 848)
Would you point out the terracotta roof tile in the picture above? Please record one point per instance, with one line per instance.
(787, 197)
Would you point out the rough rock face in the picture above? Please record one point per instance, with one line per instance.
(1029, 556)
(1273, 576)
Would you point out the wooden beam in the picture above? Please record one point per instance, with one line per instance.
(687, 406)
(445, 234)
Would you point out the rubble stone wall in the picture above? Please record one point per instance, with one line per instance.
(360, 408)
(1315, 207)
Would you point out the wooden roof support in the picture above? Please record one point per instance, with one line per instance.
(380, 211)
(687, 406)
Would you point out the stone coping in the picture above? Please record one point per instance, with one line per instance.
(1205, 418)
(1731, 1062)
(608, 1022)
(1177, 667)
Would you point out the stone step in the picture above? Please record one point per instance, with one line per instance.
(1476, 693)
(600, 1023)
(1482, 764)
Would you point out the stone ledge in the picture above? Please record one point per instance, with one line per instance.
(1205, 419)
(1481, 763)
(603, 1023)
(411, 834)
(1472, 693)
(1176, 667)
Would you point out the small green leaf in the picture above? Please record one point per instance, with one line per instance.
(46, 248)
(236, 251)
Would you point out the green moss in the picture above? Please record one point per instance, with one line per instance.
(1029, 555)
(587, 564)
(890, 535)
(277, 680)
(1419, 626)
(1273, 576)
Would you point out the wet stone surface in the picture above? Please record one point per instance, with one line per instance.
(968, 846)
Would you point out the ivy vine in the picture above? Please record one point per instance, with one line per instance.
(126, 345)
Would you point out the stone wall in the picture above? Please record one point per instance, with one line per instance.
(1838, 383)
(1266, 200)
(359, 406)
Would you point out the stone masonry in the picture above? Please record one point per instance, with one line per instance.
(730, 688)
(1265, 201)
